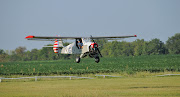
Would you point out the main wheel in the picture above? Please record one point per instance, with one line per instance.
(97, 59)
(77, 59)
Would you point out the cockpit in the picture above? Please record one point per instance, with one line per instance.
(79, 43)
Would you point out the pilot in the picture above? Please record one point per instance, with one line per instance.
(80, 44)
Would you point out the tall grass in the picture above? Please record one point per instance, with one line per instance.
(131, 64)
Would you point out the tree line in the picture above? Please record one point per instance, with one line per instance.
(108, 49)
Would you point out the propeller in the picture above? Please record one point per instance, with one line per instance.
(92, 38)
(99, 52)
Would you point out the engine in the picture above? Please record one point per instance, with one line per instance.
(94, 45)
(93, 49)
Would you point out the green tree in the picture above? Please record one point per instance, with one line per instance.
(20, 50)
(3, 56)
(14, 57)
(43, 54)
(2, 51)
(173, 44)
(116, 48)
(155, 46)
(18, 54)
(34, 54)
(138, 49)
(106, 51)
(128, 49)
(27, 56)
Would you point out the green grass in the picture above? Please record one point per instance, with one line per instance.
(138, 79)
(149, 86)
(130, 65)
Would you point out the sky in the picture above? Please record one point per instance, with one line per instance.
(148, 19)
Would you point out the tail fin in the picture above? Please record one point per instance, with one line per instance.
(55, 47)
(58, 44)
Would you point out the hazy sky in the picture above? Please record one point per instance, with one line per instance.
(147, 19)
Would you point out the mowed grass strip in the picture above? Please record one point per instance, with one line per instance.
(128, 86)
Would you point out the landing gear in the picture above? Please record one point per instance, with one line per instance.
(97, 59)
(77, 59)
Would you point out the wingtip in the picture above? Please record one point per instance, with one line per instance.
(30, 36)
(135, 35)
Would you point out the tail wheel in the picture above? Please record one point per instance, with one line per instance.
(77, 59)
(97, 59)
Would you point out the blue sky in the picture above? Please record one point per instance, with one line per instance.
(147, 19)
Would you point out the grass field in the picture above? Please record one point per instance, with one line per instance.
(138, 79)
(149, 86)
(130, 64)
